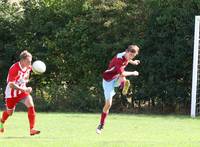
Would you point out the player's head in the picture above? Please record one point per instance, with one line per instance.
(25, 58)
(132, 51)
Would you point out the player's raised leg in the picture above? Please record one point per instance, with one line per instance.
(124, 84)
(126, 87)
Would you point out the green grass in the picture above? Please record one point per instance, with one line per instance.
(78, 130)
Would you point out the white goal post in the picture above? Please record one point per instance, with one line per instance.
(195, 99)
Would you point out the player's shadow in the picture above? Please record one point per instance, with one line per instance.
(29, 137)
(22, 137)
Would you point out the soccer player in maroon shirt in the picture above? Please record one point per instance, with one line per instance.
(17, 91)
(115, 76)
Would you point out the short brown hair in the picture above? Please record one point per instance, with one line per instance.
(24, 54)
(133, 48)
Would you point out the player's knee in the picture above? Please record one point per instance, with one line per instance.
(108, 105)
(10, 112)
(30, 105)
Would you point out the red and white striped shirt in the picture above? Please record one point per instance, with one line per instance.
(19, 76)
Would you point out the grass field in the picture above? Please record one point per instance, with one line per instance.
(78, 130)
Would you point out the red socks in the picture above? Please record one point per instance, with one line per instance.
(103, 117)
(4, 116)
(31, 117)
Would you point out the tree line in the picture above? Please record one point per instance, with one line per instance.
(76, 40)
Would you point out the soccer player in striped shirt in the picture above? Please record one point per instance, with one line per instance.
(115, 76)
(17, 91)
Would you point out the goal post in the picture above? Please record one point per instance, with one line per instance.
(195, 99)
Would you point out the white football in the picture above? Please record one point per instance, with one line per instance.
(38, 67)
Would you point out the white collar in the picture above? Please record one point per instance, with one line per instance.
(23, 69)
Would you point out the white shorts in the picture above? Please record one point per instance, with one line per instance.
(109, 88)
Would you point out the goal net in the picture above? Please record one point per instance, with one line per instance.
(195, 100)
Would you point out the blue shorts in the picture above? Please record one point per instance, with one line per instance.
(109, 88)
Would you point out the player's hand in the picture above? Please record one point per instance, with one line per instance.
(28, 89)
(136, 62)
(135, 73)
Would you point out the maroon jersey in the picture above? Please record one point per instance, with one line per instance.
(116, 67)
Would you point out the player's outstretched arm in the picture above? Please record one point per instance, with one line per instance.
(130, 73)
(134, 62)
